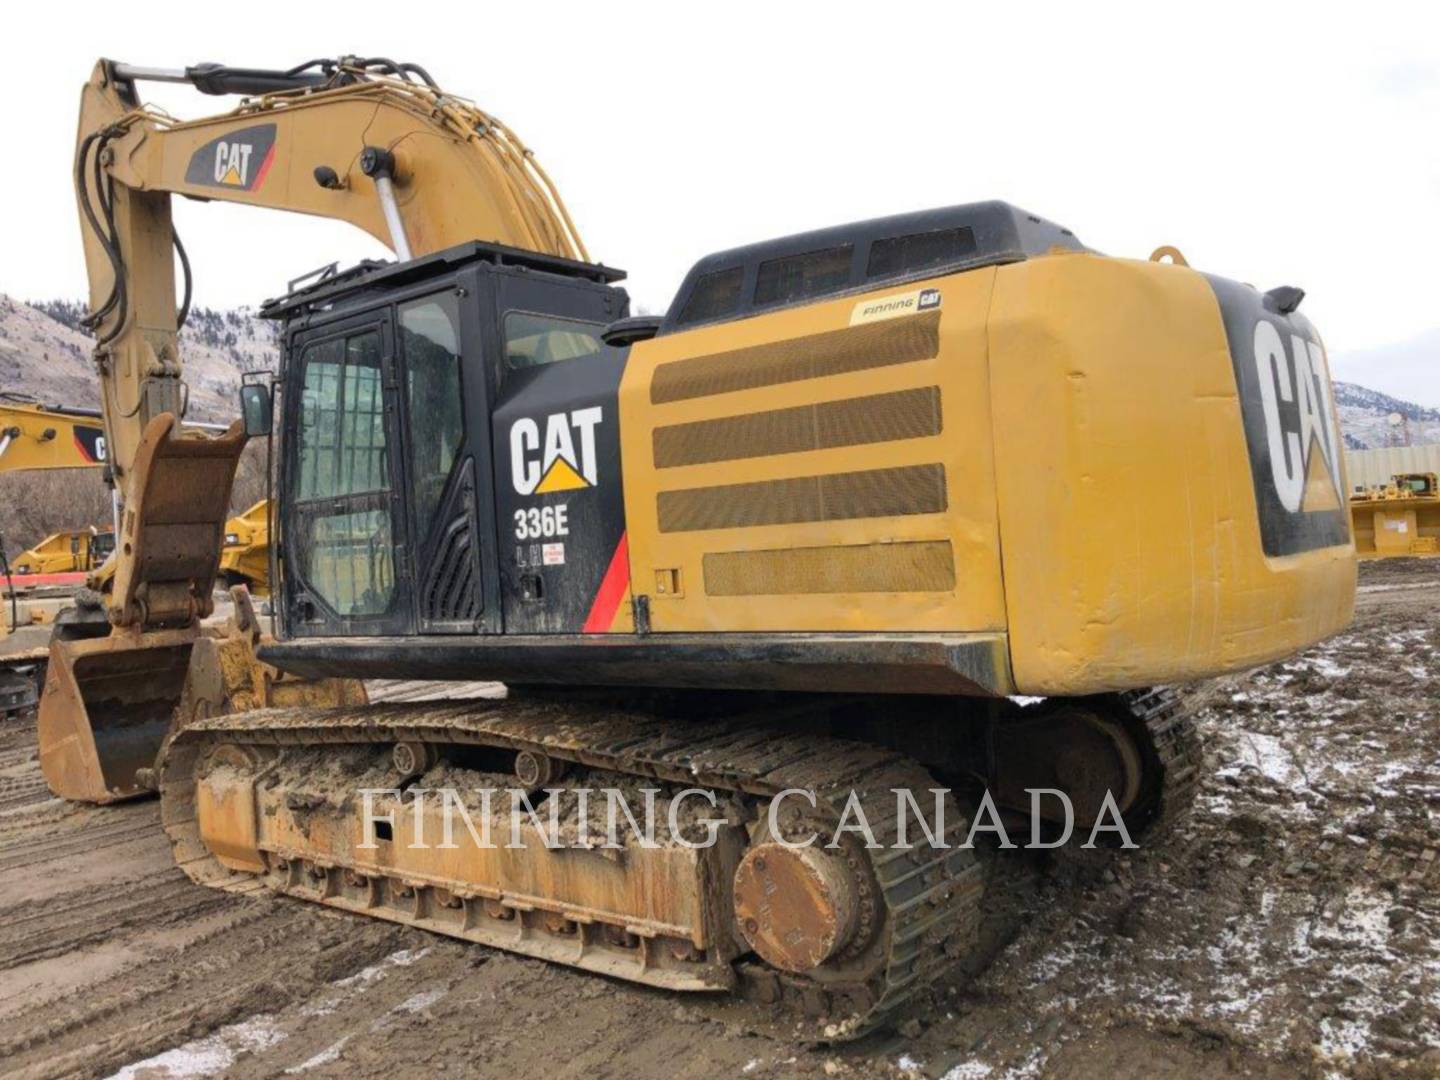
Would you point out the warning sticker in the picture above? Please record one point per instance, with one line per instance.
(553, 554)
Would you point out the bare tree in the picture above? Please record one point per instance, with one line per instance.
(35, 504)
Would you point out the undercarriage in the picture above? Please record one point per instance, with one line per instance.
(766, 852)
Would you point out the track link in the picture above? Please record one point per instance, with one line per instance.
(926, 901)
(921, 919)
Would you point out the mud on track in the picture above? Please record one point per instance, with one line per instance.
(1291, 928)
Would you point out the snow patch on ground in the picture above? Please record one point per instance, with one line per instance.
(216, 1053)
(208, 1056)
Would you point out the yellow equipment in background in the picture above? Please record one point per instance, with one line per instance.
(35, 436)
(76, 551)
(1399, 518)
(245, 559)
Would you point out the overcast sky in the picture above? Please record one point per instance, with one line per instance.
(1294, 147)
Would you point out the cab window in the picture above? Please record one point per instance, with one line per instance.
(345, 549)
(533, 340)
(429, 340)
(342, 419)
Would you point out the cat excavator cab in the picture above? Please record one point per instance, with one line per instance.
(938, 502)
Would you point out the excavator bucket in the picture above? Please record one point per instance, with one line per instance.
(109, 701)
(107, 705)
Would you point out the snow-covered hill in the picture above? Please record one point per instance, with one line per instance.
(1365, 423)
(45, 354)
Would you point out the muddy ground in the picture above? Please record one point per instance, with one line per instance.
(1290, 928)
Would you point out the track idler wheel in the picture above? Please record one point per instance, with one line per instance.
(796, 906)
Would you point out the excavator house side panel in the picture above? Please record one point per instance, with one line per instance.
(820, 468)
(1148, 536)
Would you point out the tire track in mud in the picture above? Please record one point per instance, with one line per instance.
(22, 791)
(43, 850)
(109, 954)
(252, 960)
(55, 928)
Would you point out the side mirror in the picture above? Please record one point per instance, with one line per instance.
(255, 409)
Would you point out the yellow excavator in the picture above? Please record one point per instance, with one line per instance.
(35, 436)
(245, 558)
(942, 501)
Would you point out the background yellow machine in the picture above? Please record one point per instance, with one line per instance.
(245, 559)
(75, 551)
(42, 437)
(36, 436)
(829, 524)
(1397, 519)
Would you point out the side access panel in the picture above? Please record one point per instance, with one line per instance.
(820, 468)
(559, 495)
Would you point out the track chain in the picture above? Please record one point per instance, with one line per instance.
(1167, 719)
(930, 898)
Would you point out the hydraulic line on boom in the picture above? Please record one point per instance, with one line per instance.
(433, 170)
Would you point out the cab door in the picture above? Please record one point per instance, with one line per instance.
(344, 526)
(444, 390)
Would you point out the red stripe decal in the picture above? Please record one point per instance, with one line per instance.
(611, 591)
(80, 446)
(264, 168)
(27, 580)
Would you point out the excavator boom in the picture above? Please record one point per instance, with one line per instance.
(370, 142)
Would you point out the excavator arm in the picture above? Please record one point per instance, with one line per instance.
(367, 141)
(370, 142)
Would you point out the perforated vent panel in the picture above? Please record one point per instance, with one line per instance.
(927, 566)
(904, 414)
(913, 489)
(451, 591)
(834, 352)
